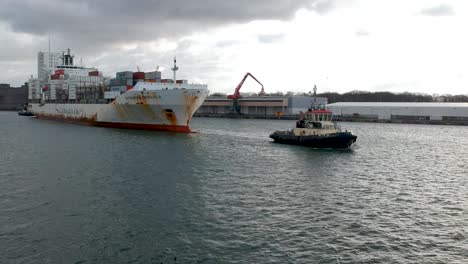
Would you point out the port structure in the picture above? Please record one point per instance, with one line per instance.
(234, 97)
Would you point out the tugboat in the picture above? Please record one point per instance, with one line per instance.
(316, 129)
(25, 111)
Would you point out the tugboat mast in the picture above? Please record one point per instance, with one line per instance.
(314, 103)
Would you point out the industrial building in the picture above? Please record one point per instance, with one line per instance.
(443, 113)
(13, 98)
(259, 106)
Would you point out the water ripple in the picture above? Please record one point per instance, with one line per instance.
(77, 194)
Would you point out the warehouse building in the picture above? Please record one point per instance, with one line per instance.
(259, 106)
(13, 98)
(401, 112)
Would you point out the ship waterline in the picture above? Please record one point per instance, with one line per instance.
(139, 108)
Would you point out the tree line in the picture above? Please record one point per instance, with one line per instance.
(365, 96)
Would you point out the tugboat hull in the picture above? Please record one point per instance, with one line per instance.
(25, 113)
(340, 140)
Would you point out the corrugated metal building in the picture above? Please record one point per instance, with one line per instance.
(12, 98)
(401, 111)
(258, 106)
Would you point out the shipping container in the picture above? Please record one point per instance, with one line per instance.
(111, 94)
(120, 82)
(119, 88)
(113, 82)
(138, 75)
(153, 75)
(124, 75)
(93, 73)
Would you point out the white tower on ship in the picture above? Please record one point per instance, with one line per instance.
(46, 62)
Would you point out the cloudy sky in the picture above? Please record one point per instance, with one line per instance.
(289, 45)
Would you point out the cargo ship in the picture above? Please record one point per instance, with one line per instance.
(134, 100)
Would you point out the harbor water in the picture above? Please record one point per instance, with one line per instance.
(227, 194)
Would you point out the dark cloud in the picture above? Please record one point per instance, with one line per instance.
(440, 10)
(110, 22)
(97, 29)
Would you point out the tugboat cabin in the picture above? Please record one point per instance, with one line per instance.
(318, 115)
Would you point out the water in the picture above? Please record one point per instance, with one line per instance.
(78, 194)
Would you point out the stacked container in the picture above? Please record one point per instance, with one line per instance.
(93, 73)
(124, 75)
(55, 77)
(123, 81)
(138, 77)
(153, 76)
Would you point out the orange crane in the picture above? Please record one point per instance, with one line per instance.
(234, 97)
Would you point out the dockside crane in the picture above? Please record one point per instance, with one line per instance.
(234, 97)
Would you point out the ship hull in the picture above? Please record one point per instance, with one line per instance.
(161, 110)
(340, 140)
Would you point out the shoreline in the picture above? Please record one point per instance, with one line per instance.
(341, 119)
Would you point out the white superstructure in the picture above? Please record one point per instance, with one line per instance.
(46, 63)
(60, 80)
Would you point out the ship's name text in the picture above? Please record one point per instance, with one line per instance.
(68, 111)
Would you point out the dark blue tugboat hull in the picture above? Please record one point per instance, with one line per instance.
(340, 140)
(25, 113)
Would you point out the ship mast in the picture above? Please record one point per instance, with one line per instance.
(175, 69)
(314, 104)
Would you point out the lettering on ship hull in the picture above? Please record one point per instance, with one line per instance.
(68, 111)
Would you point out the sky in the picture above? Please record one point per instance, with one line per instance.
(417, 46)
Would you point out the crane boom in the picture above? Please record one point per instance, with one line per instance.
(236, 94)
